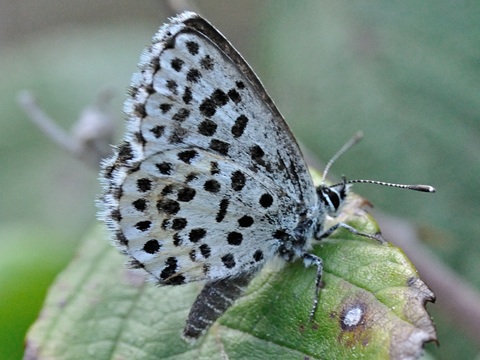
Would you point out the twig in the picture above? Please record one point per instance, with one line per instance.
(47, 125)
(91, 135)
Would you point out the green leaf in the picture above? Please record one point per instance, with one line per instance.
(371, 305)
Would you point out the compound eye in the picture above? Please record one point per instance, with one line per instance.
(333, 197)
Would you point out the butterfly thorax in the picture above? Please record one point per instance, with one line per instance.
(311, 222)
(294, 243)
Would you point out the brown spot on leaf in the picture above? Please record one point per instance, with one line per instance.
(355, 322)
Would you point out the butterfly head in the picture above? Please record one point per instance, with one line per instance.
(333, 197)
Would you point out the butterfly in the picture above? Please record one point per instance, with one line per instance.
(209, 183)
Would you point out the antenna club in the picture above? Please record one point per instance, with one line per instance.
(422, 188)
(358, 136)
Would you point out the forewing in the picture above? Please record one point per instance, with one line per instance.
(199, 116)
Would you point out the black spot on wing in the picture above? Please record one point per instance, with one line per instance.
(239, 126)
(207, 127)
(222, 211)
(219, 146)
(207, 62)
(228, 260)
(144, 185)
(193, 75)
(192, 47)
(187, 156)
(177, 64)
(151, 246)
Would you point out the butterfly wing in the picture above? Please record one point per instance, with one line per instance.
(209, 171)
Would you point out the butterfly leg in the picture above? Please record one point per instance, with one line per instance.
(212, 302)
(309, 260)
(329, 231)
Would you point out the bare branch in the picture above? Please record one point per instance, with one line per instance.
(91, 135)
(47, 125)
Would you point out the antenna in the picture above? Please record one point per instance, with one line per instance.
(354, 140)
(422, 188)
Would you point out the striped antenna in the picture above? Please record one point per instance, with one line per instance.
(423, 188)
(354, 140)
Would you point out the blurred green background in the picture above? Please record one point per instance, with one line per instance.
(407, 73)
